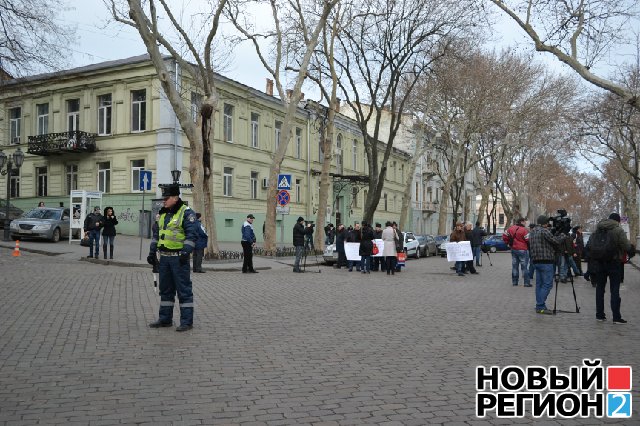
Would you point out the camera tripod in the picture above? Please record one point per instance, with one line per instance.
(488, 257)
(304, 265)
(556, 278)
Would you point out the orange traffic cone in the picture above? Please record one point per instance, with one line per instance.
(16, 251)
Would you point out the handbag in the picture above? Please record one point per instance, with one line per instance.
(375, 250)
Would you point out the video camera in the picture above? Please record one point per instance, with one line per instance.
(560, 224)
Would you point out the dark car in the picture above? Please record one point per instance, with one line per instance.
(42, 222)
(441, 244)
(427, 245)
(14, 212)
(494, 243)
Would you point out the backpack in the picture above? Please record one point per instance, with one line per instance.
(602, 246)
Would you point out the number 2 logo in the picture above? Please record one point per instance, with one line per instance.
(618, 404)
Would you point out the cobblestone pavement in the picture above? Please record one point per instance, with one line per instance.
(276, 348)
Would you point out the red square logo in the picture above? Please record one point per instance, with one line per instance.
(619, 378)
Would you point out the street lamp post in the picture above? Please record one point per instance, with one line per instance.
(175, 174)
(14, 160)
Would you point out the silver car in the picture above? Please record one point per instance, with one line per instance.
(44, 223)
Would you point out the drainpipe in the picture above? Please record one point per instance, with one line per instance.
(176, 125)
(309, 207)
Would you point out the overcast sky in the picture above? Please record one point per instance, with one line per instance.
(101, 40)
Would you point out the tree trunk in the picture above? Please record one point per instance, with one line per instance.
(325, 179)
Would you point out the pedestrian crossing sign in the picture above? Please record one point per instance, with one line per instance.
(284, 181)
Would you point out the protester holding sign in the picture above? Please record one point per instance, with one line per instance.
(456, 236)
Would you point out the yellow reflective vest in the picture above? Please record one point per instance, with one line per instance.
(171, 235)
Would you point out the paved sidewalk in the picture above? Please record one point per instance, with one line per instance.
(278, 348)
(127, 253)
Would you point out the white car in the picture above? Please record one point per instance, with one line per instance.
(330, 255)
(411, 245)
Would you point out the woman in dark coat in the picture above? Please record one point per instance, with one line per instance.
(109, 231)
(366, 247)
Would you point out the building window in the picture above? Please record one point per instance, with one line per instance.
(228, 223)
(41, 175)
(417, 194)
(227, 181)
(354, 196)
(354, 155)
(43, 118)
(196, 103)
(501, 219)
(394, 206)
(393, 168)
(227, 124)
(298, 189)
(339, 154)
(15, 183)
(320, 149)
(402, 173)
(255, 123)
(72, 177)
(104, 176)
(298, 143)
(278, 133)
(15, 116)
(104, 114)
(254, 185)
(386, 203)
(73, 115)
(136, 167)
(139, 110)
(429, 194)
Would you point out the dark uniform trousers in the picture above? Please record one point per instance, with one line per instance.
(175, 279)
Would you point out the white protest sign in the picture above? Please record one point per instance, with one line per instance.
(461, 251)
(351, 250)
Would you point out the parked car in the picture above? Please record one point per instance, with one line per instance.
(14, 212)
(44, 223)
(494, 243)
(411, 245)
(330, 254)
(427, 245)
(441, 244)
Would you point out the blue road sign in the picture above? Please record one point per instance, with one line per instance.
(284, 181)
(145, 180)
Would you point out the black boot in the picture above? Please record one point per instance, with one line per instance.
(110, 252)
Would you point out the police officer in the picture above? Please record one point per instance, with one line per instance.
(174, 239)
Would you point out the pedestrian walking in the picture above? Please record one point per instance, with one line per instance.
(389, 237)
(109, 231)
(92, 225)
(517, 237)
(248, 243)
(174, 239)
(606, 249)
(543, 246)
(201, 243)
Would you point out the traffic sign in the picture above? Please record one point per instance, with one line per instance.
(282, 209)
(284, 181)
(145, 180)
(283, 197)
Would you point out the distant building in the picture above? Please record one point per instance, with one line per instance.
(97, 127)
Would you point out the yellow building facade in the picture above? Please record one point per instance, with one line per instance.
(96, 128)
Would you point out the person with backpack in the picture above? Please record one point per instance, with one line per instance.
(607, 248)
(517, 237)
(542, 249)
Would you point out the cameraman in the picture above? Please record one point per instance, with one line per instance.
(542, 250)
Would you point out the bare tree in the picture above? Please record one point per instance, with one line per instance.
(311, 19)
(578, 33)
(32, 36)
(199, 65)
(381, 54)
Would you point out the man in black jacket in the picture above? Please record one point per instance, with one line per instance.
(476, 242)
(341, 234)
(298, 242)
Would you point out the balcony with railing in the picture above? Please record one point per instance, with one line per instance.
(62, 143)
(426, 206)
